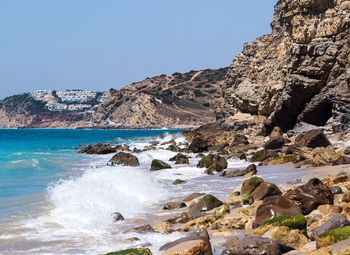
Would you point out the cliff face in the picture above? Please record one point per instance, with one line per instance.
(178, 100)
(298, 73)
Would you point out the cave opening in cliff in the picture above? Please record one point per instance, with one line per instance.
(320, 114)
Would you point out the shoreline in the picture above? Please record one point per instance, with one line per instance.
(286, 176)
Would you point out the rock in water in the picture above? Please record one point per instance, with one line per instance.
(199, 145)
(311, 195)
(117, 216)
(180, 159)
(134, 251)
(251, 169)
(174, 205)
(312, 139)
(98, 149)
(213, 162)
(125, 159)
(159, 165)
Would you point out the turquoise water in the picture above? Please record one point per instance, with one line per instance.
(33, 159)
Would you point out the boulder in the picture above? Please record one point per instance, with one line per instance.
(312, 139)
(98, 149)
(180, 159)
(206, 203)
(117, 216)
(251, 169)
(174, 205)
(337, 221)
(213, 162)
(262, 155)
(181, 218)
(250, 185)
(347, 151)
(193, 196)
(173, 148)
(178, 181)
(311, 195)
(143, 229)
(265, 189)
(257, 246)
(274, 143)
(239, 139)
(333, 236)
(171, 142)
(294, 238)
(198, 243)
(124, 159)
(342, 160)
(323, 156)
(199, 145)
(274, 206)
(159, 165)
(133, 251)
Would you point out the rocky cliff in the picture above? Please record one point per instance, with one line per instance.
(300, 73)
(178, 100)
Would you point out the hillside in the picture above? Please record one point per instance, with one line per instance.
(178, 100)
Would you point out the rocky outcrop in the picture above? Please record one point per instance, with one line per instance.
(299, 72)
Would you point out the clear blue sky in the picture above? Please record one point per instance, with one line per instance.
(100, 44)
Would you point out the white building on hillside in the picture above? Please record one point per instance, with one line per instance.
(52, 106)
(78, 96)
(42, 95)
(78, 107)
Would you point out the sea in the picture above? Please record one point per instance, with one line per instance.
(54, 200)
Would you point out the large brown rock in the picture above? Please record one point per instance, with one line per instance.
(198, 243)
(199, 145)
(250, 185)
(125, 159)
(213, 162)
(312, 139)
(206, 203)
(265, 189)
(274, 206)
(311, 195)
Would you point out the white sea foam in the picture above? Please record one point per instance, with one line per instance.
(86, 203)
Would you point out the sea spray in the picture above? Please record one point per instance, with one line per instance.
(86, 203)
